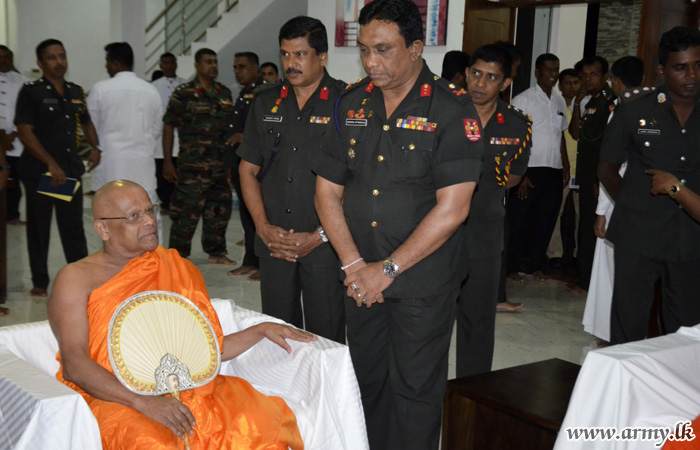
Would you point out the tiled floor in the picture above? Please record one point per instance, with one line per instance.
(549, 326)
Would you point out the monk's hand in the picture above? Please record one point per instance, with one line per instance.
(661, 182)
(168, 412)
(366, 282)
(279, 333)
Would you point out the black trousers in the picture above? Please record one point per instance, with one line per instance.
(586, 237)
(542, 207)
(14, 192)
(164, 188)
(69, 218)
(476, 316)
(283, 283)
(250, 258)
(399, 352)
(633, 295)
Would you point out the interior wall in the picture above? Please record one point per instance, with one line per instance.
(344, 62)
(568, 31)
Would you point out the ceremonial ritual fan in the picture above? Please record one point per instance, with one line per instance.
(160, 343)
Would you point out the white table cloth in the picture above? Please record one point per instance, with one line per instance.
(650, 383)
(317, 381)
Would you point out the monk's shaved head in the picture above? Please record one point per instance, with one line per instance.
(106, 202)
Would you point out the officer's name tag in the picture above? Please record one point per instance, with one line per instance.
(51, 101)
(272, 118)
(356, 122)
(647, 132)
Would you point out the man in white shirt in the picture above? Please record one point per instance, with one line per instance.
(128, 113)
(10, 84)
(538, 196)
(165, 86)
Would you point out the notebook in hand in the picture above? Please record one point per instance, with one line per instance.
(64, 192)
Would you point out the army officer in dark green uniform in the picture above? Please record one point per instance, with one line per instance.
(202, 112)
(588, 123)
(507, 134)
(393, 191)
(655, 238)
(282, 140)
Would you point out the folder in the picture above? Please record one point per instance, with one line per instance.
(63, 192)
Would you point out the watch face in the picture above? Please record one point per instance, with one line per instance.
(391, 269)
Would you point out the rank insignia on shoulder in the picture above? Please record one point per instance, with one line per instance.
(319, 119)
(471, 129)
(425, 90)
(369, 87)
(435, 77)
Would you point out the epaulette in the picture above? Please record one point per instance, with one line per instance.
(631, 95)
(359, 82)
(521, 114)
(608, 93)
(266, 86)
(183, 86)
(29, 83)
(340, 84)
(452, 88)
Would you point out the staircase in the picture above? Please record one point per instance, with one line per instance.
(225, 26)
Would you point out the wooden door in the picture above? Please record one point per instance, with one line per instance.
(486, 24)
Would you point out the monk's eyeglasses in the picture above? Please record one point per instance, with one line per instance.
(137, 217)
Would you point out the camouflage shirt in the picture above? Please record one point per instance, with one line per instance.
(203, 120)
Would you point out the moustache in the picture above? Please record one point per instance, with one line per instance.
(291, 71)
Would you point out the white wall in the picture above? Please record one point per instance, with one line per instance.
(344, 62)
(568, 31)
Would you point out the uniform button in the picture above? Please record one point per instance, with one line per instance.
(294, 148)
(380, 158)
(683, 131)
(298, 117)
(647, 144)
(682, 158)
(290, 179)
(288, 211)
(50, 108)
(67, 116)
(374, 224)
(411, 147)
(683, 181)
(375, 192)
(353, 142)
(385, 128)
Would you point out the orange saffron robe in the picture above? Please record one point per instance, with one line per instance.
(230, 413)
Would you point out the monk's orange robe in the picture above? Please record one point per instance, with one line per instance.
(230, 414)
(686, 445)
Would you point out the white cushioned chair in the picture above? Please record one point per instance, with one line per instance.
(317, 381)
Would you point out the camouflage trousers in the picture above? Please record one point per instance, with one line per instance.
(200, 190)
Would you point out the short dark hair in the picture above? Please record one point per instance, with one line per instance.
(454, 62)
(7, 49)
(591, 60)
(44, 44)
(567, 73)
(308, 27)
(121, 53)
(515, 54)
(250, 56)
(403, 13)
(201, 52)
(629, 69)
(677, 39)
(167, 55)
(493, 53)
(270, 64)
(543, 58)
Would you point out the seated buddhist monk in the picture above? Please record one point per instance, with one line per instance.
(226, 412)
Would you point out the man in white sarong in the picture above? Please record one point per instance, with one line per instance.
(127, 112)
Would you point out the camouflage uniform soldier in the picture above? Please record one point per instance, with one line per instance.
(201, 110)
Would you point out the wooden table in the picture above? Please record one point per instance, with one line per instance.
(516, 408)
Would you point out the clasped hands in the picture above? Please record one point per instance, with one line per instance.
(366, 282)
(288, 244)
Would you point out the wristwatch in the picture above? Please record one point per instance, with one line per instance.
(322, 233)
(674, 190)
(391, 269)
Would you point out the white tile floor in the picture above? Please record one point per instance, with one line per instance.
(548, 327)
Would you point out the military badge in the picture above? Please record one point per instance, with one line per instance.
(471, 129)
(360, 114)
(369, 87)
(324, 93)
(500, 118)
(416, 123)
(284, 92)
(642, 122)
(319, 119)
(425, 90)
(351, 114)
(661, 97)
(351, 154)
